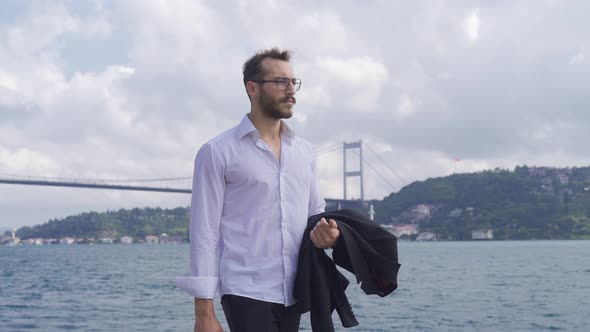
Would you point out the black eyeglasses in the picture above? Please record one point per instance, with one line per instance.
(283, 82)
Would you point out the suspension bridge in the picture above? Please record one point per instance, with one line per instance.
(354, 149)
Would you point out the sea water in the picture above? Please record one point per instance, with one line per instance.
(443, 286)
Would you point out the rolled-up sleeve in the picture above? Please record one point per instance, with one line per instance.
(205, 216)
(317, 204)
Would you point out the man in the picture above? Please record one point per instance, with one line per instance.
(254, 187)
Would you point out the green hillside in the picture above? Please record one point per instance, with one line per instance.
(527, 203)
(136, 223)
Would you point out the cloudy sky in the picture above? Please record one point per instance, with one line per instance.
(119, 90)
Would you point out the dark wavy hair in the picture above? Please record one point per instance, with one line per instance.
(253, 70)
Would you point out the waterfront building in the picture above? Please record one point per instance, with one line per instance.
(427, 236)
(482, 234)
(563, 178)
(126, 240)
(66, 240)
(422, 209)
(152, 239)
(164, 238)
(106, 240)
(9, 241)
(407, 230)
(456, 213)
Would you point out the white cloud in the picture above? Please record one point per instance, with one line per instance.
(90, 102)
(578, 58)
(8, 89)
(45, 22)
(315, 96)
(543, 133)
(353, 71)
(471, 26)
(322, 33)
(26, 161)
(329, 171)
(7, 81)
(361, 79)
(406, 106)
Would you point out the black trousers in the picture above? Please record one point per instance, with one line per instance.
(244, 314)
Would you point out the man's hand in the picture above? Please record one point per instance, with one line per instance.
(324, 234)
(205, 320)
(206, 325)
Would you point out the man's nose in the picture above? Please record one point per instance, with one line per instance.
(290, 87)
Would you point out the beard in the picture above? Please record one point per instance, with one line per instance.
(274, 108)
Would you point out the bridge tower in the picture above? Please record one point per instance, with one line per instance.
(346, 173)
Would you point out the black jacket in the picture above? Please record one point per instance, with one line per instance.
(364, 248)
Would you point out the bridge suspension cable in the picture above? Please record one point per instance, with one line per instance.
(374, 169)
(386, 164)
(328, 149)
(386, 179)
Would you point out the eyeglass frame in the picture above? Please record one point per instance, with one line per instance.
(296, 82)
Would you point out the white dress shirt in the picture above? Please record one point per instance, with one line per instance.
(248, 214)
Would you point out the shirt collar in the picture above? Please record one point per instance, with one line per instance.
(287, 131)
(246, 127)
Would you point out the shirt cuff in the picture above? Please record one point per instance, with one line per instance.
(199, 287)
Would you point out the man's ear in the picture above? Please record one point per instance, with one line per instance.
(252, 89)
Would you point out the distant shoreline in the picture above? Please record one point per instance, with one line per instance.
(182, 243)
